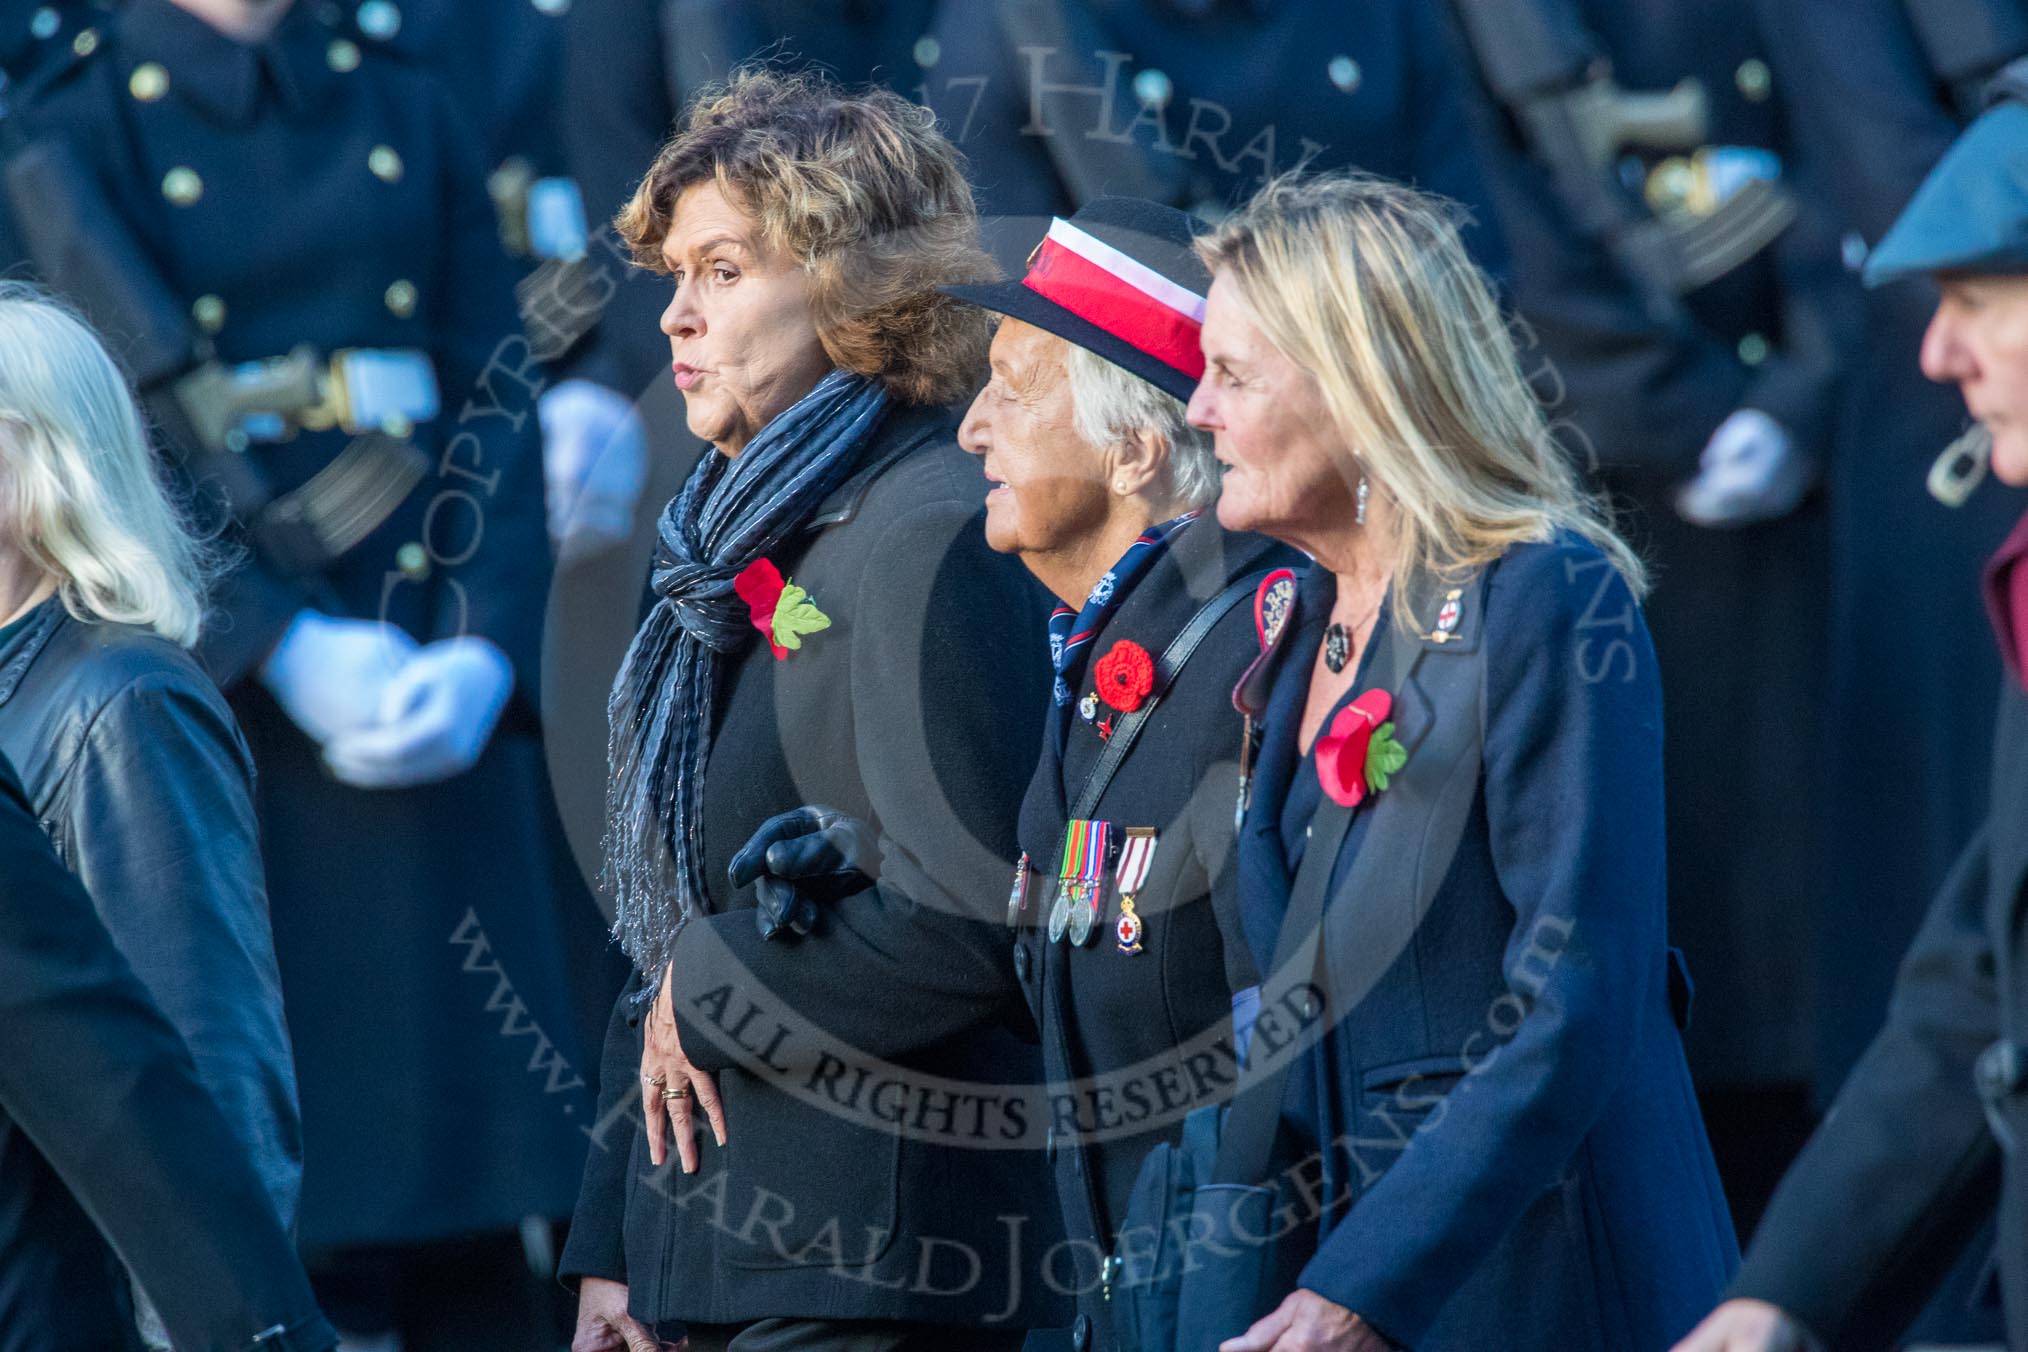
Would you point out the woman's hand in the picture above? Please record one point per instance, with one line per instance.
(1749, 1326)
(603, 1324)
(669, 1082)
(1306, 1322)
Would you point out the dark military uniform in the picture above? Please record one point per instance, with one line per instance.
(1910, 694)
(1736, 615)
(302, 190)
(1149, 1027)
(1923, 1143)
(1193, 104)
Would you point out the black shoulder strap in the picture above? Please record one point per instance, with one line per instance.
(1082, 1201)
(1247, 1142)
(1166, 670)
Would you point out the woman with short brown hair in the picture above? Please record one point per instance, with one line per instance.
(829, 627)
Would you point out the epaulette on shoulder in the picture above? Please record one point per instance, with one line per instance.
(80, 43)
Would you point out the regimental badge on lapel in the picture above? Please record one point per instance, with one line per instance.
(1273, 602)
(1448, 616)
(1137, 856)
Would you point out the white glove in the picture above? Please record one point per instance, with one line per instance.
(434, 718)
(328, 674)
(1750, 471)
(594, 462)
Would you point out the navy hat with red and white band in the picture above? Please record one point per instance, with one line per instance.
(1118, 279)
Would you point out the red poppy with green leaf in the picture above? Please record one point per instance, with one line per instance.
(1358, 756)
(781, 610)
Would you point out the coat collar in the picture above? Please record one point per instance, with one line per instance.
(1199, 562)
(299, 64)
(23, 646)
(906, 428)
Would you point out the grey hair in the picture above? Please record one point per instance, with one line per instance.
(1111, 403)
(79, 492)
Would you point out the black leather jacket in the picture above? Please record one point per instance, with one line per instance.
(138, 772)
(92, 1074)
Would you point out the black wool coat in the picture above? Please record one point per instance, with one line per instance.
(867, 1170)
(1908, 1164)
(1132, 1041)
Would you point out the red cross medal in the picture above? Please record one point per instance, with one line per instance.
(1137, 856)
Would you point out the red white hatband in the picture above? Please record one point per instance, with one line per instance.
(1120, 294)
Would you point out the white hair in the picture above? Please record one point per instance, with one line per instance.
(78, 489)
(1111, 403)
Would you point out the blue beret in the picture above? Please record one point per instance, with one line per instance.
(1971, 213)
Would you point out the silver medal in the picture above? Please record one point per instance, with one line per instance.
(1081, 912)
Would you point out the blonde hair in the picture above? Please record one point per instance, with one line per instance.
(866, 194)
(1365, 284)
(78, 491)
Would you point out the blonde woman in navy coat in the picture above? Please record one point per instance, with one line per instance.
(1511, 1154)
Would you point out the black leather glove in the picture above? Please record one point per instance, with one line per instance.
(802, 858)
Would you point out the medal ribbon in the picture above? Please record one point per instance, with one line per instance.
(1084, 855)
(1137, 856)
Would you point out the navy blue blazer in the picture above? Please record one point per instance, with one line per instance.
(1515, 1157)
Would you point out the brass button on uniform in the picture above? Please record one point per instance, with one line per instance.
(1154, 88)
(150, 81)
(928, 51)
(379, 20)
(86, 42)
(555, 9)
(1753, 349)
(1754, 79)
(182, 186)
(401, 297)
(342, 56)
(413, 560)
(1344, 73)
(385, 163)
(45, 22)
(209, 312)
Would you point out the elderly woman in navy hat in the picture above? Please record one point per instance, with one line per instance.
(1923, 1143)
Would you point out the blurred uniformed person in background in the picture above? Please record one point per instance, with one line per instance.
(1923, 1144)
(1677, 268)
(503, 63)
(1877, 89)
(1192, 103)
(290, 235)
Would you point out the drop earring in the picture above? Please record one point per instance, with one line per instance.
(1359, 512)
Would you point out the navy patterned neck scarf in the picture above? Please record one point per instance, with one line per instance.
(729, 513)
(1071, 631)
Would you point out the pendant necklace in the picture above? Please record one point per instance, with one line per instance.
(1338, 641)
